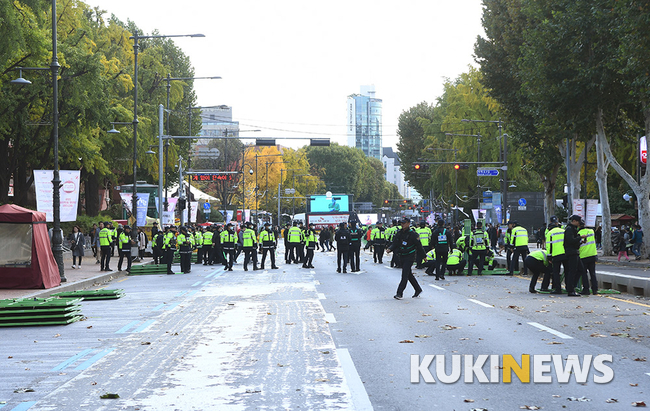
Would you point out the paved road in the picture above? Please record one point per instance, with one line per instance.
(313, 339)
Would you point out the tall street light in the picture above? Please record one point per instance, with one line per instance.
(136, 38)
(57, 238)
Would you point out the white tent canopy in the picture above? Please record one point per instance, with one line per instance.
(198, 194)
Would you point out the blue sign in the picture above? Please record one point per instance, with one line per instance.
(206, 207)
(499, 211)
(522, 201)
(487, 172)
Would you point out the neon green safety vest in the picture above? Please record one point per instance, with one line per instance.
(431, 255)
(207, 238)
(105, 237)
(425, 235)
(540, 255)
(295, 235)
(248, 238)
(519, 236)
(588, 248)
(477, 240)
(267, 237)
(377, 234)
(198, 239)
(455, 257)
(555, 242)
(123, 242)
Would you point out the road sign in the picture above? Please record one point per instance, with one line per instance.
(521, 208)
(204, 152)
(487, 206)
(522, 202)
(487, 172)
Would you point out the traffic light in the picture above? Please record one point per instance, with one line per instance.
(385, 201)
(419, 167)
(461, 166)
(181, 203)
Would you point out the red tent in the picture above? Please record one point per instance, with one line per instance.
(25, 265)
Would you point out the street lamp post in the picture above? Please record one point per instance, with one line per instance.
(136, 37)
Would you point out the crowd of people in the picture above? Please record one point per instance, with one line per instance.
(439, 250)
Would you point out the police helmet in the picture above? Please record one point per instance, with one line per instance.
(553, 220)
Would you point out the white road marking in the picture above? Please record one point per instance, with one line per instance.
(321, 296)
(436, 287)
(316, 282)
(312, 272)
(480, 303)
(357, 390)
(329, 317)
(632, 277)
(550, 330)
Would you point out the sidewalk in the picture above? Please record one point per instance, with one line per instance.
(78, 279)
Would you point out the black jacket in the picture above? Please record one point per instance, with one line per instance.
(342, 238)
(434, 239)
(406, 242)
(571, 240)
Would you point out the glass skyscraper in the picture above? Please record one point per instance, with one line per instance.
(364, 122)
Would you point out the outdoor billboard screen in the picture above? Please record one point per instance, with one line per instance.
(336, 204)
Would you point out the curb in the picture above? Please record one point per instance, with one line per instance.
(78, 285)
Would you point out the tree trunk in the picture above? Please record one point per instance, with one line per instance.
(642, 190)
(601, 179)
(550, 181)
(576, 164)
(92, 195)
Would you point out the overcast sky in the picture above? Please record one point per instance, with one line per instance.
(288, 66)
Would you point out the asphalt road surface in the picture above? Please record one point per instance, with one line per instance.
(313, 339)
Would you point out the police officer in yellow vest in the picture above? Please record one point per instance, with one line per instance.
(269, 244)
(378, 240)
(478, 244)
(555, 251)
(228, 239)
(206, 249)
(588, 254)
(430, 262)
(198, 243)
(294, 234)
(105, 240)
(455, 262)
(169, 246)
(519, 236)
(249, 246)
(538, 263)
(310, 245)
(124, 243)
(424, 233)
(185, 243)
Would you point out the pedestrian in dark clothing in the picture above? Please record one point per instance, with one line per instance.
(356, 234)
(572, 250)
(77, 244)
(441, 243)
(407, 243)
(342, 238)
(324, 239)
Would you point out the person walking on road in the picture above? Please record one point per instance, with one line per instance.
(407, 243)
(342, 238)
(637, 241)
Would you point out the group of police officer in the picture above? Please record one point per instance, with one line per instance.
(109, 236)
(215, 244)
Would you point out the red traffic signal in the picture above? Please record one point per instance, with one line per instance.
(461, 166)
(417, 167)
(456, 166)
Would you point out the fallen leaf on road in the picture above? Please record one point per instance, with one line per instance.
(406, 342)
(513, 307)
(638, 404)
(589, 312)
(324, 352)
(611, 400)
(109, 396)
(529, 407)
(620, 335)
(448, 327)
(556, 396)
(464, 338)
(597, 335)
(468, 400)
(280, 365)
(554, 342)
(640, 359)
(422, 336)
(269, 313)
(646, 313)
(581, 399)
(426, 315)
(344, 306)
(252, 391)
(322, 379)
(289, 323)
(10, 357)
(145, 343)
(542, 311)
(634, 385)
(57, 335)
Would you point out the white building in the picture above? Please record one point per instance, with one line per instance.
(393, 173)
(217, 121)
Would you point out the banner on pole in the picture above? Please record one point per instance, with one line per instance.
(592, 212)
(69, 193)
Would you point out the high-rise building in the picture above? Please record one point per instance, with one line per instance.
(217, 121)
(364, 122)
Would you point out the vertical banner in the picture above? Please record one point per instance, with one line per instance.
(69, 193)
(168, 215)
(643, 150)
(143, 205)
(498, 209)
(195, 208)
(579, 207)
(592, 212)
(127, 201)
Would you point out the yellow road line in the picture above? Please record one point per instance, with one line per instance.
(124, 279)
(627, 301)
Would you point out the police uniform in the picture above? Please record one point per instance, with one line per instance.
(185, 242)
(228, 239)
(478, 245)
(293, 238)
(455, 262)
(519, 240)
(249, 243)
(269, 244)
(342, 238)
(390, 234)
(430, 262)
(407, 243)
(310, 244)
(169, 245)
(588, 254)
(198, 243)
(124, 249)
(538, 263)
(378, 240)
(441, 241)
(105, 240)
(206, 248)
(555, 251)
(424, 234)
(356, 234)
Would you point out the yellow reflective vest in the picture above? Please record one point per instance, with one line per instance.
(555, 242)
(519, 236)
(588, 248)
